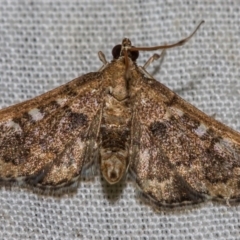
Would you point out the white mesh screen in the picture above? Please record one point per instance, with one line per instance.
(44, 44)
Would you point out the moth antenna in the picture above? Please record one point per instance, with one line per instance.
(102, 57)
(180, 43)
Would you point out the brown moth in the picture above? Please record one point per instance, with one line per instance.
(123, 120)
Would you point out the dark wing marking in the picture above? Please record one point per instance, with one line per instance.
(184, 155)
(46, 141)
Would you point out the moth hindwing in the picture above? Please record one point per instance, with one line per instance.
(122, 120)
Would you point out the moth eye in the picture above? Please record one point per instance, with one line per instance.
(116, 51)
(134, 55)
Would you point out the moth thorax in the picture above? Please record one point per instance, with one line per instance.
(113, 166)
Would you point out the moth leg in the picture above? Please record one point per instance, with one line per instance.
(102, 58)
(150, 60)
(154, 57)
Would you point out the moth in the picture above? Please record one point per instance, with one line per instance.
(121, 120)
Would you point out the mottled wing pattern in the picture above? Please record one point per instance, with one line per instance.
(47, 140)
(179, 154)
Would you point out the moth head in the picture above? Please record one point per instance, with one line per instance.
(113, 169)
(126, 45)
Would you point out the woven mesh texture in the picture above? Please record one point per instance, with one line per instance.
(44, 44)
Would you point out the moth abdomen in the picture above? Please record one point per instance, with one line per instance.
(114, 151)
(115, 138)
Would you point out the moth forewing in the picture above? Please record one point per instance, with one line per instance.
(43, 140)
(202, 151)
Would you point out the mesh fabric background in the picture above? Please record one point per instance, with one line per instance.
(44, 44)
